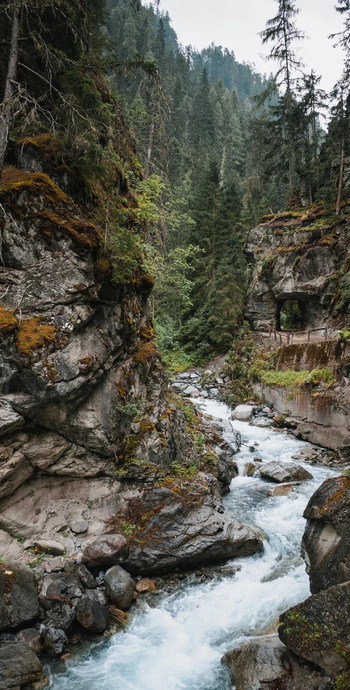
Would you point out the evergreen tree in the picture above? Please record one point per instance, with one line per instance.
(282, 32)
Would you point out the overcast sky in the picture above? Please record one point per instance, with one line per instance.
(234, 24)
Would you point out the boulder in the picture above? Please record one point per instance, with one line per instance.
(119, 587)
(326, 540)
(249, 469)
(267, 663)
(105, 551)
(92, 615)
(18, 665)
(54, 548)
(64, 586)
(54, 639)
(284, 472)
(243, 412)
(318, 628)
(32, 637)
(186, 527)
(145, 586)
(19, 601)
(280, 490)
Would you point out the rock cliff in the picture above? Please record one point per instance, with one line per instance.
(300, 256)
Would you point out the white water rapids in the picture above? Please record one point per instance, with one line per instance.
(178, 644)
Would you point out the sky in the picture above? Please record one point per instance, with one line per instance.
(234, 24)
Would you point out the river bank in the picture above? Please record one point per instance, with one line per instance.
(178, 639)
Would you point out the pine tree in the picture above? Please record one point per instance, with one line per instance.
(281, 30)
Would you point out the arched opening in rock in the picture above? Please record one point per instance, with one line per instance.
(290, 316)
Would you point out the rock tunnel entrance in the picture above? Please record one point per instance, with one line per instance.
(290, 315)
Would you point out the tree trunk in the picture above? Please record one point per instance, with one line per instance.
(341, 173)
(150, 146)
(6, 108)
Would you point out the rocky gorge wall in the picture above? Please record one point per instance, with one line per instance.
(100, 466)
(296, 255)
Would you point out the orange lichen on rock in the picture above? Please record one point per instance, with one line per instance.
(82, 231)
(8, 321)
(145, 352)
(34, 334)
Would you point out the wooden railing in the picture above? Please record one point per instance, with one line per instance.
(302, 335)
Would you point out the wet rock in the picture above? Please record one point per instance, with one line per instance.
(267, 663)
(117, 617)
(249, 469)
(62, 586)
(284, 472)
(92, 615)
(86, 578)
(18, 665)
(318, 628)
(243, 412)
(55, 640)
(19, 601)
(145, 586)
(119, 587)
(106, 551)
(31, 637)
(326, 540)
(280, 490)
(187, 528)
(191, 391)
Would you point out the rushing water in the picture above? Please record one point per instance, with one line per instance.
(178, 644)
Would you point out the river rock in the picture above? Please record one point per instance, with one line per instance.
(61, 585)
(318, 628)
(326, 540)
(267, 663)
(243, 412)
(284, 472)
(145, 586)
(19, 601)
(105, 551)
(119, 587)
(55, 640)
(91, 614)
(49, 546)
(249, 469)
(187, 528)
(280, 490)
(86, 578)
(31, 637)
(18, 665)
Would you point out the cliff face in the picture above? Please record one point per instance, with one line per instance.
(90, 441)
(77, 361)
(296, 256)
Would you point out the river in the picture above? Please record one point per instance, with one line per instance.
(178, 643)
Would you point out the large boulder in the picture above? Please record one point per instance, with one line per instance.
(18, 665)
(284, 472)
(318, 628)
(243, 413)
(186, 527)
(119, 587)
(267, 663)
(92, 615)
(18, 595)
(326, 541)
(105, 551)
